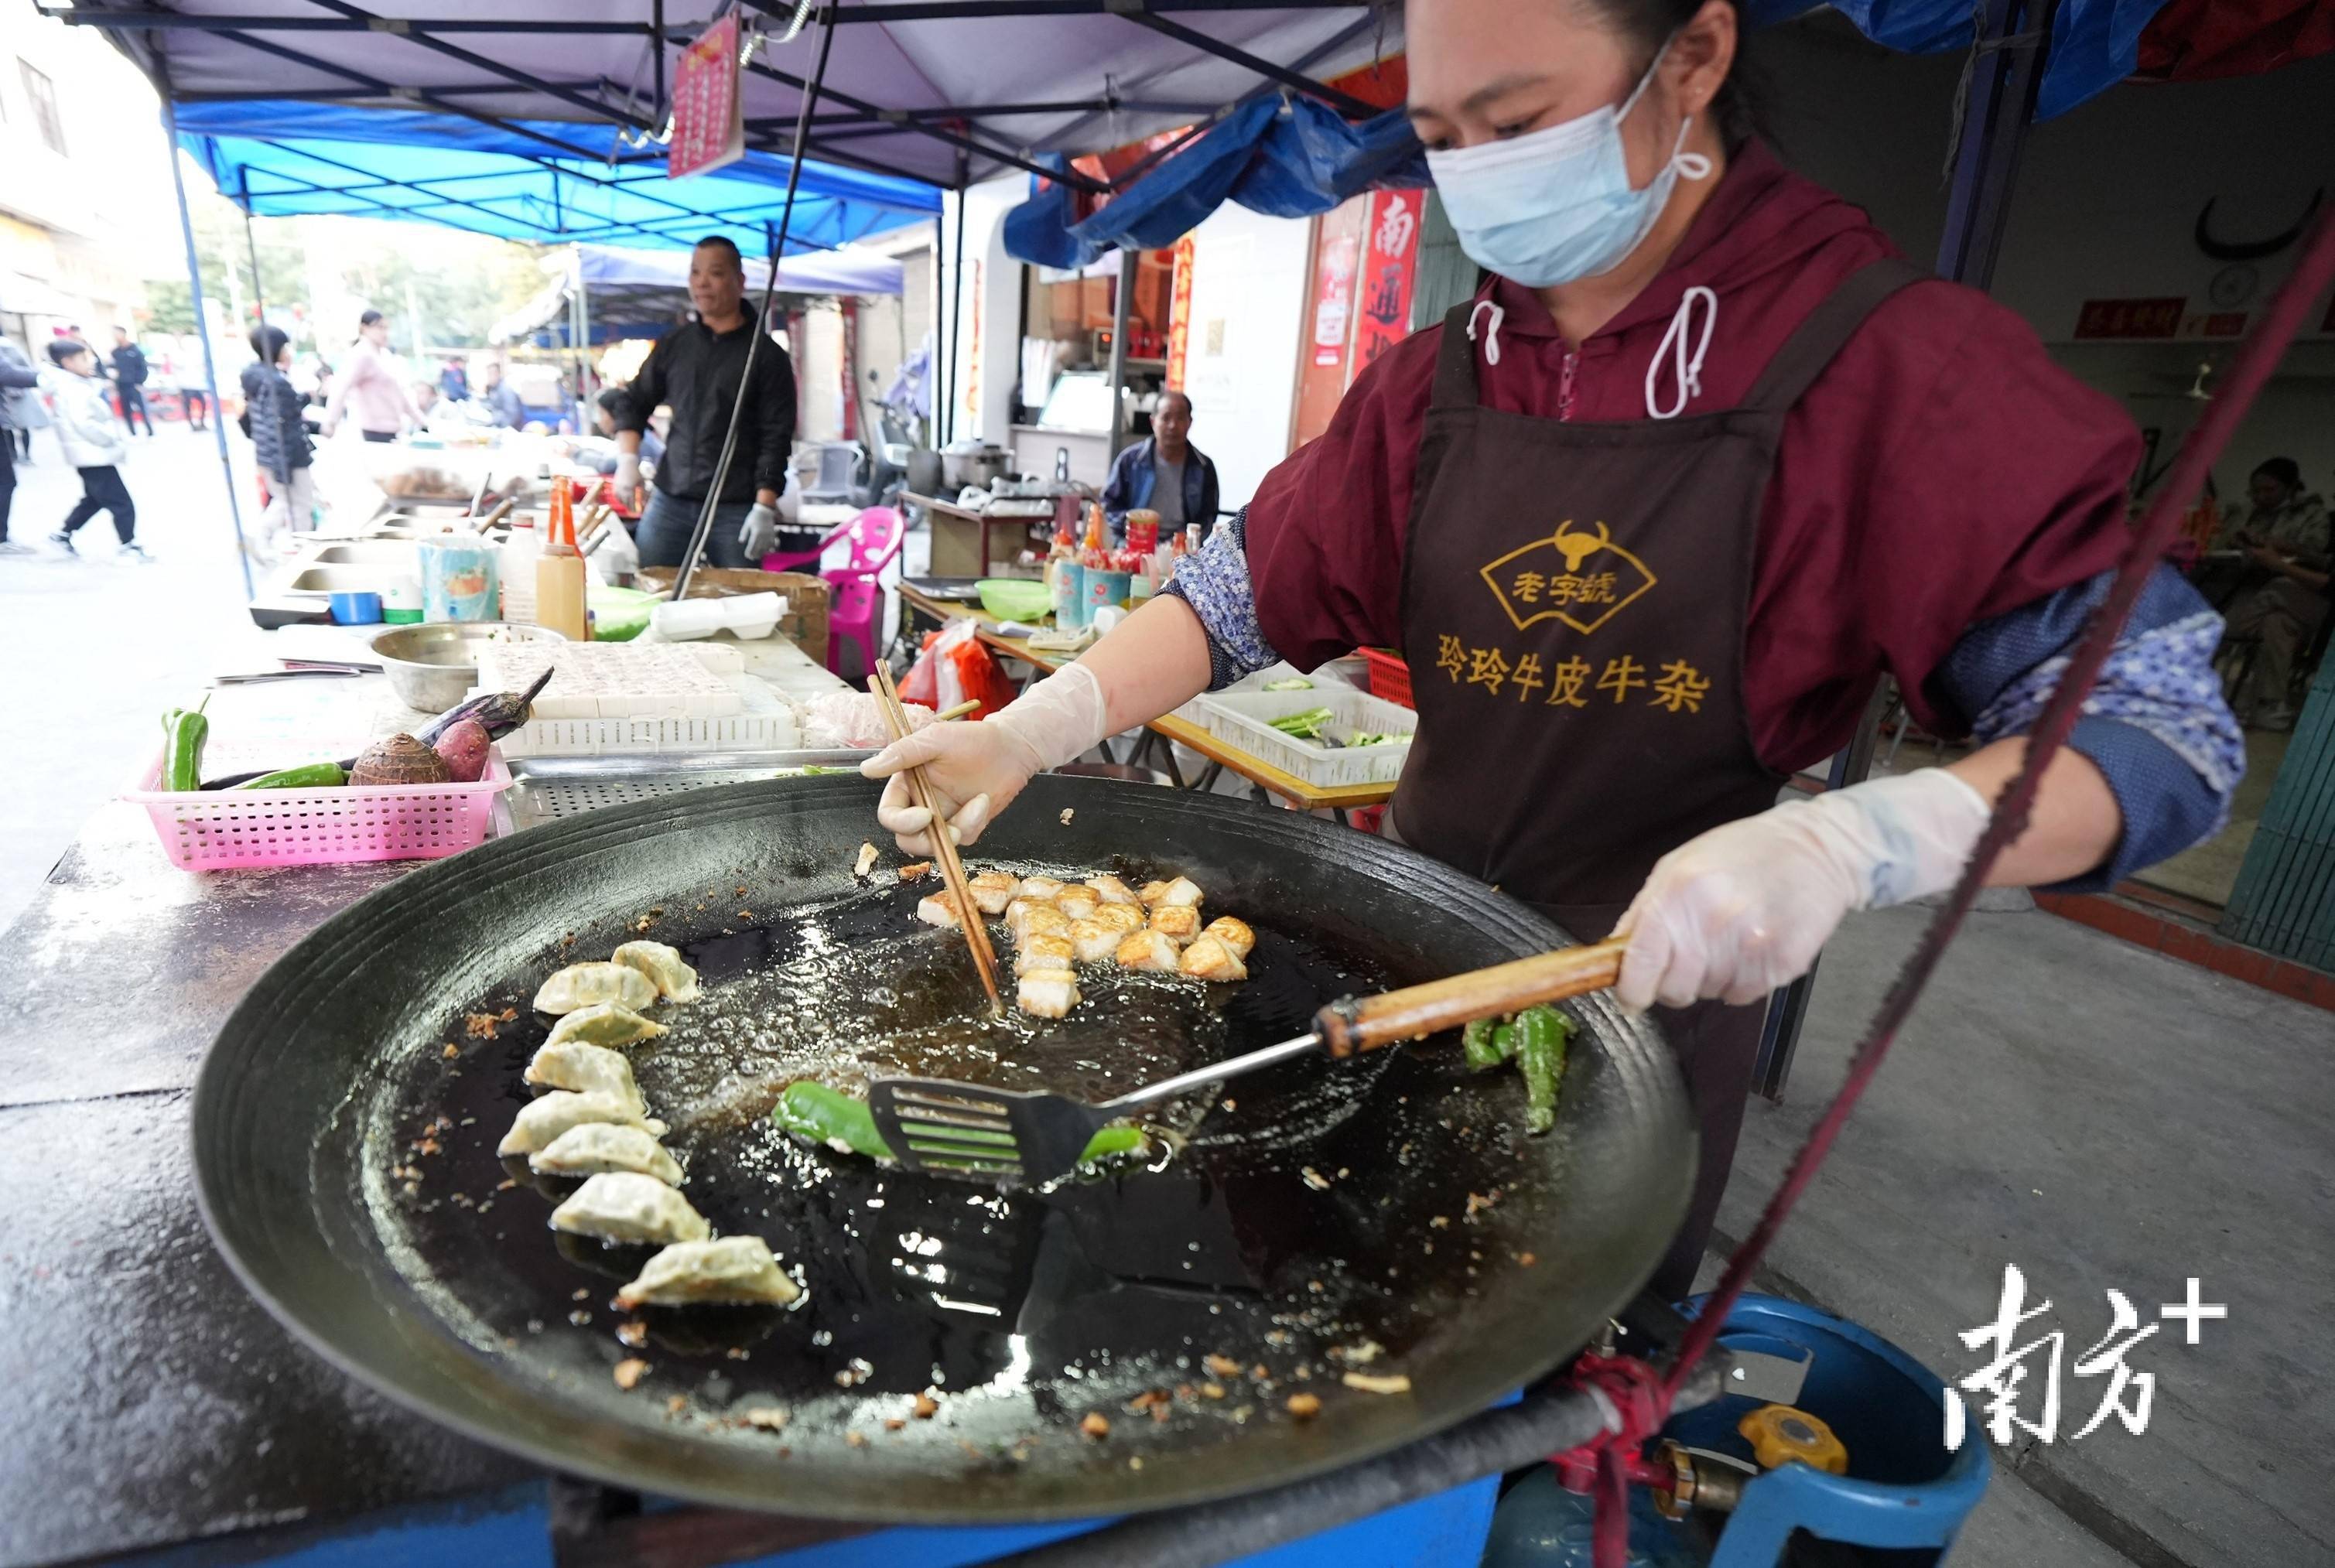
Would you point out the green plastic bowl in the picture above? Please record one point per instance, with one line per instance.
(1015, 598)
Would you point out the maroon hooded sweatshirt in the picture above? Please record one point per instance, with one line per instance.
(1940, 471)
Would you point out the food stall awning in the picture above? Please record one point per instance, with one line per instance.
(280, 159)
(642, 293)
(949, 91)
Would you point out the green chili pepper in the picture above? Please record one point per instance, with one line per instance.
(828, 1116)
(1541, 1036)
(1477, 1044)
(308, 776)
(1504, 1041)
(183, 734)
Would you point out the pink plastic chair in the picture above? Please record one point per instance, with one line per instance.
(877, 535)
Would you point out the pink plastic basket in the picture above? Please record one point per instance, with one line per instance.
(229, 829)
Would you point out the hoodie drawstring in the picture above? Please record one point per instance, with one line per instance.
(1491, 338)
(1686, 369)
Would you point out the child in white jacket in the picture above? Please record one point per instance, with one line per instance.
(93, 444)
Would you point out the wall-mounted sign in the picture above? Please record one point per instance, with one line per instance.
(2130, 319)
(709, 127)
(1179, 312)
(1390, 273)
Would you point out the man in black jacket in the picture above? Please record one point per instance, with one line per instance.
(129, 379)
(695, 368)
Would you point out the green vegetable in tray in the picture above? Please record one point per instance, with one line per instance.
(1305, 726)
(308, 776)
(812, 1110)
(1535, 1039)
(1289, 683)
(183, 734)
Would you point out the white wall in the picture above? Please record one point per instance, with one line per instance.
(1248, 302)
(989, 294)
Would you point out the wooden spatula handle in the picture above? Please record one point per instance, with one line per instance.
(1367, 1022)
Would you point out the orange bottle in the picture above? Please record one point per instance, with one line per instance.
(559, 573)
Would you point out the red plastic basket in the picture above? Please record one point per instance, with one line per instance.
(1390, 676)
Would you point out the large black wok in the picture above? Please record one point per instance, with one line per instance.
(345, 1120)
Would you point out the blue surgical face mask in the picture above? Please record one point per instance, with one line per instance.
(1555, 206)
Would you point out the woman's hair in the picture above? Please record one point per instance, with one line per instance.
(2285, 470)
(368, 318)
(1649, 25)
(268, 342)
(62, 349)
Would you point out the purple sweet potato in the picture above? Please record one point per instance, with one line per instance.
(464, 747)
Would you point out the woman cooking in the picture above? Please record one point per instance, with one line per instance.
(1649, 517)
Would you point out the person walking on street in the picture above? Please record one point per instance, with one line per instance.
(130, 380)
(195, 397)
(16, 378)
(370, 382)
(280, 436)
(696, 368)
(92, 444)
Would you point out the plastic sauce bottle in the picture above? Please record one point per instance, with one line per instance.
(559, 576)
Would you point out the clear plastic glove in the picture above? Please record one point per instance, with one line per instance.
(758, 534)
(1744, 908)
(628, 480)
(975, 770)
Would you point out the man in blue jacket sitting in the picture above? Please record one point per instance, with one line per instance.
(1167, 473)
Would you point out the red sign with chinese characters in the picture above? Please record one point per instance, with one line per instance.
(2130, 319)
(1179, 312)
(1390, 273)
(1335, 264)
(709, 127)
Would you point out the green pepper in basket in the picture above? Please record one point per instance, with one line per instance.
(308, 776)
(183, 734)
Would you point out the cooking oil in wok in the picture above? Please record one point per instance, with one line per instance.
(1020, 1311)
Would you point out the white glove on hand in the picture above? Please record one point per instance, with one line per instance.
(759, 533)
(1744, 908)
(976, 770)
(628, 478)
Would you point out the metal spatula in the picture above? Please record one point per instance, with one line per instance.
(962, 1129)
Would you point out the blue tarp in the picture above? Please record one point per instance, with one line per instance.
(1284, 158)
(283, 159)
(1292, 158)
(2094, 44)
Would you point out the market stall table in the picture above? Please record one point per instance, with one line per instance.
(956, 552)
(1338, 799)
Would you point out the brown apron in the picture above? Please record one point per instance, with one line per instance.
(1574, 601)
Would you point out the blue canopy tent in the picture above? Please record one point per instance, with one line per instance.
(644, 293)
(280, 159)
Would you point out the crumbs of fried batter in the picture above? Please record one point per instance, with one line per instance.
(1097, 1426)
(915, 868)
(633, 1334)
(1304, 1407)
(452, 1051)
(630, 1371)
(480, 1025)
(1223, 1366)
(927, 1407)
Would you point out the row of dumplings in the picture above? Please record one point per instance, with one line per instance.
(595, 1123)
(1055, 924)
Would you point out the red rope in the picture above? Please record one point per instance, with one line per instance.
(2256, 358)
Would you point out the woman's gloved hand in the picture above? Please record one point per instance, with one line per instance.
(1744, 908)
(975, 770)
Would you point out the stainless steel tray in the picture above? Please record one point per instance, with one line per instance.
(546, 788)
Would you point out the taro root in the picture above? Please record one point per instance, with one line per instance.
(399, 759)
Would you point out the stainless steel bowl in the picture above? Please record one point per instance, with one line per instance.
(432, 667)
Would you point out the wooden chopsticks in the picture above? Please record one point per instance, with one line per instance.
(976, 935)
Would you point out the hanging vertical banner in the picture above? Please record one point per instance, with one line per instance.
(973, 364)
(1338, 255)
(1179, 312)
(709, 126)
(1320, 368)
(1390, 274)
(851, 368)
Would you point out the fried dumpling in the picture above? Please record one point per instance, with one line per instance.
(1042, 920)
(940, 909)
(667, 971)
(992, 891)
(1078, 903)
(1048, 993)
(581, 985)
(626, 1206)
(1210, 959)
(1178, 923)
(598, 1147)
(1183, 893)
(1093, 941)
(1147, 950)
(1123, 918)
(1045, 952)
(586, 1069)
(1038, 887)
(1233, 934)
(607, 1023)
(1112, 890)
(544, 1119)
(733, 1268)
